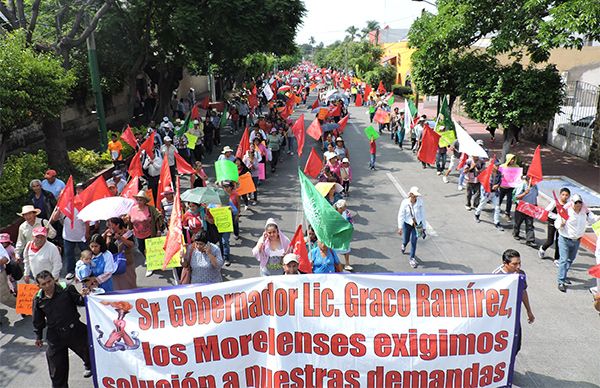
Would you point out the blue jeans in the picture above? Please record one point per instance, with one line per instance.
(69, 253)
(225, 245)
(567, 249)
(372, 161)
(290, 143)
(409, 231)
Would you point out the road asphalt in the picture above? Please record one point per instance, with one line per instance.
(560, 349)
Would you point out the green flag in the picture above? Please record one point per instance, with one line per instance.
(447, 114)
(223, 120)
(226, 170)
(185, 126)
(448, 136)
(410, 111)
(330, 227)
(391, 100)
(371, 133)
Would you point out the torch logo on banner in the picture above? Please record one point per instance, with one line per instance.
(118, 339)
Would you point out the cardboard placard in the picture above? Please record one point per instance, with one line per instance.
(25, 295)
(192, 140)
(246, 184)
(155, 254)
(511, 176)
(223, 218)
(261, 172)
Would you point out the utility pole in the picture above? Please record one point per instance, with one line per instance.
(97, 90)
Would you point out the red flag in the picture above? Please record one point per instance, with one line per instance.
(381, 116)
(429, 146)
(359, 100)
(298, 247)
(164, 181)
(148, 144)
(96, 190)
(66, 201)
(535, 169)
(533, 211)
(244, 144)
(204, 103)
(381, 88)
(368, 90)
(129, 137)
(183, 167)
(135, 166)
(314, 130)
(342, 123)
(298, 130)
(345, 83)
(131, 188)
(253, 100)
(175, 234)
(313, 164)
(485, 175)
(315, 104)
(462, 161)
(254, 90)
(560, 208)
(195, 113)
(334, 111)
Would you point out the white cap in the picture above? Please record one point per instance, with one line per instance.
(290, 257)
(345, 160)
(576, 198)
(166, 119)
(196, 122)
(167, 138)
(414, 191)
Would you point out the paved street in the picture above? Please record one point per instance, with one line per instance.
(561, 349)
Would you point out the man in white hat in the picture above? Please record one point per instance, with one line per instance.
(198, 131)
(169, 149)
(40, 254)
(570, 232)
(290, 264)
(166, 127)
(412, 223)
(30, 214)
(227, 154)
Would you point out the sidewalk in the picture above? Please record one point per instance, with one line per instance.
(554, 161)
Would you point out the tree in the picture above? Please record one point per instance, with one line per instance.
(372, 25)
(352, 32)
(34, 87)
(55, 27)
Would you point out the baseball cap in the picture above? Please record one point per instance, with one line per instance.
(576, 198)
(39, 231)
(290, 257)
(50, 174)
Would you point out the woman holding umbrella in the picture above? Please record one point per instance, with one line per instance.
(146, 222)
(119, 239)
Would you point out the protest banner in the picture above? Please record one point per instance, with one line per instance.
(155, 254)
(371, 133)
(192, 140)
(25, 295)
(511, 176)
(446, 138)
(246, 184)
(223, 218)
(313, 330)
(533, 211)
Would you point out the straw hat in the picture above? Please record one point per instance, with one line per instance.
(29, 209)
(325, 187)
(142, 194)
(226, 149)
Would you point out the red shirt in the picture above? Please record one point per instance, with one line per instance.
(193, 222)
(372, 147)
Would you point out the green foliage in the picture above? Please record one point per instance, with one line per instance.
(257, 63)
(386, 73)
(513, 95)
(401, 90)
(34, 86)
(356, 55)
(87, 162)
(19, 171)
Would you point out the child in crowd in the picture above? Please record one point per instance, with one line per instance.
(83, 267)
(372, 151)
(346, 176)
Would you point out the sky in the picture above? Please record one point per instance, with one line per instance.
(327, 20)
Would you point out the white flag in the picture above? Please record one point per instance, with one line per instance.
(467, 144)
(268, 92)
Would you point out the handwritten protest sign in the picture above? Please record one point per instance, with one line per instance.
(25, 295)
(511, 176)
(223, 218)
(155, 254)
(192, 140)
(246, 184)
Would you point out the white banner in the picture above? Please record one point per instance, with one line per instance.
(268, 92)
(310, 331)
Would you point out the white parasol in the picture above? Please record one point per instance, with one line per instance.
(105, 208)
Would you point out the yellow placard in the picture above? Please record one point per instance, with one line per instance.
(596, 228)
(25, 295)
(192, 139)
(223, 218)
(155, 254)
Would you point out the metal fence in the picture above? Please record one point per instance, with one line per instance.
(580, 101)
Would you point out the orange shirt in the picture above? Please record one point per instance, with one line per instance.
(115, 148)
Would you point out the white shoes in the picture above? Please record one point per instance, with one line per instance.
(445, 179)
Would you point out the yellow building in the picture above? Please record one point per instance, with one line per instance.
(396, 52)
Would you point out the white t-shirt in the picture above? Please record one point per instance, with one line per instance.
(75, 233)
